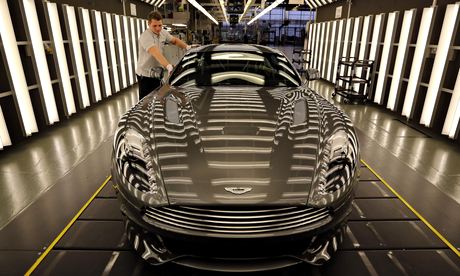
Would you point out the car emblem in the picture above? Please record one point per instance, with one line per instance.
(238, 190)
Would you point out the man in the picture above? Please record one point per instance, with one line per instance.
(151, 62)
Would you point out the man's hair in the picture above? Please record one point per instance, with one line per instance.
(154, 15)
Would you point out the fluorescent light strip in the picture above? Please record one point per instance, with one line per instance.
(44, 79)
(331, 51)
(161, 3)
(439, 65)
(400, 57)
(103, 54)
(201, 9)
(128, 50)
(337, 50)
(5, 139)
(419, 56)
(317, 40)
(354, 40)
(134, 36)
(309, 4)
(326, 49)
(79, 68)
(313, 46)
(383, 70)
(451, 123)
(321, 46)
(113, 58)
(363, 47)
(224, 10)
(61, 59)
(121, 54)
(246, 8)
(91, 54)
(346, 41)
(18, 79)
(266, 10)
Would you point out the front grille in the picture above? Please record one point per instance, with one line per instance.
(239, 221)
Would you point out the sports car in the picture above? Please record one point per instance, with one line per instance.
(234, 164)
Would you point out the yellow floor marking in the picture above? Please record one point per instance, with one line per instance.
(56, 240)
(436, 232)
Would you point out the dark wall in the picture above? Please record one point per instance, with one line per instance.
(367, 7)
(112, 6)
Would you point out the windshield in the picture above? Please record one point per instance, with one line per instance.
(234, 68)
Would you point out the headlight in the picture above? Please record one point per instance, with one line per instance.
(138, 166)
(335, 169)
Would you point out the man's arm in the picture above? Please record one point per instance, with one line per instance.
(179, 43)
(155, 52)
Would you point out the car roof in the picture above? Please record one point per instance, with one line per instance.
(236, 48)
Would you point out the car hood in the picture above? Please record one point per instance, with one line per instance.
(239, 145)
(219, 145)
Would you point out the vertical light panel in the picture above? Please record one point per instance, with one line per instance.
(331, 53)
(134, 42)
(94, 79)
(80, 77)
(318, 37)
(448, 33)
(100, 39)
(404, 38)
(338, 49)
(113, 58)
(375, 43)
(313, 48)
(327, 41)
(121, 54)
(16, 72)
(41, 66)
(346, 42)
(451, 124)
(363, 46)
(5, 139)
(355, 37)
(128, 49)
(310, 37)
(321, 47)
(417, 63)
(384, 59)
(60, 59)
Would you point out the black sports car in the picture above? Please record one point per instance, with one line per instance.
(235, 165)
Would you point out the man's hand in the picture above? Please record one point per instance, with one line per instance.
(192, 46)
(170, 68)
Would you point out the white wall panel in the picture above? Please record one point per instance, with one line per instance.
(449, 26)
(404, 38)
(385, 57)
(61, 59)
(112, 52)
(41, 65)
(128, 48)
(79, 68)
(93, 70)
(103, 53)
(418, 60)
(121, 52)
(338, 49)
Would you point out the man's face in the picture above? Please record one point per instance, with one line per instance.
(156, 26)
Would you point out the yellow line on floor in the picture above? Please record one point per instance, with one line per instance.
(56, 240)
(436, 232)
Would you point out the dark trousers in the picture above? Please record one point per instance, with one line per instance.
(147, 85)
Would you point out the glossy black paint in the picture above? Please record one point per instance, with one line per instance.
(252, 146)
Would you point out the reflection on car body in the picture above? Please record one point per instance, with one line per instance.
(235, 165)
